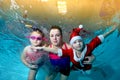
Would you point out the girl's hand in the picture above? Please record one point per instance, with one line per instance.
(33, 66)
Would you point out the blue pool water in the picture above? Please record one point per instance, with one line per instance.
(12, 41)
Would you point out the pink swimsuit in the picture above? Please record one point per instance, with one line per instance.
(35, 57)
(63, 63)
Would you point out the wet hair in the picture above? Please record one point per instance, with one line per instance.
(38, 31)
(56, 27)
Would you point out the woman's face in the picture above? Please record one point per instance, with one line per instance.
(35, 38)
(55, 37)
(77, 45)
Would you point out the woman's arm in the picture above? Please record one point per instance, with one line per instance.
(48, 49)
(53, 50)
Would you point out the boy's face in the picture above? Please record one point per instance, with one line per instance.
(77, 44)
(35, 38)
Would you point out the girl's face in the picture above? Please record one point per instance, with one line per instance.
(35, 38)
(78, 45)
(55, 37)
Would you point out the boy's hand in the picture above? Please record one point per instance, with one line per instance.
(89, 60)
(115, 25)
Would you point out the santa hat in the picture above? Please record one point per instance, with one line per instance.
(75, 34)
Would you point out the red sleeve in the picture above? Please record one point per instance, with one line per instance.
(94, 43)
(67, 52)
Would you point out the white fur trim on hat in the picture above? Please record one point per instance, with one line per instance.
(75, 38)
(80, 26)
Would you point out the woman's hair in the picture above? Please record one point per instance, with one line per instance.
(56, 27)
(38, 31)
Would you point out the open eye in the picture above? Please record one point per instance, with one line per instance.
(51, 35)
(75, 42)
(58, 35)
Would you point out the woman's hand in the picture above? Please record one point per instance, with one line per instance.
(37, 48)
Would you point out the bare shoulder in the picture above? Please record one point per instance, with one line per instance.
(26, 48)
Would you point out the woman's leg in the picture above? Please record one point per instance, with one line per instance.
(51, 76)
(63, 77)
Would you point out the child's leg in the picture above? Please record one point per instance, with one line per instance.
(51, 76)
(32, 74)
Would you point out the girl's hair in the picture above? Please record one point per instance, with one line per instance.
(44, 42)
(56, 27)
(38, 31)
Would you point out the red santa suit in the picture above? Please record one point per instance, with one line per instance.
(87, 51)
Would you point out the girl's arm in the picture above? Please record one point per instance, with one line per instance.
(23, 57)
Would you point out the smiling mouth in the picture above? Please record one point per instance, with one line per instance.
(79, 47)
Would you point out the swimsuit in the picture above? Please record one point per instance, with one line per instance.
(37, 57)
(61, 63)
